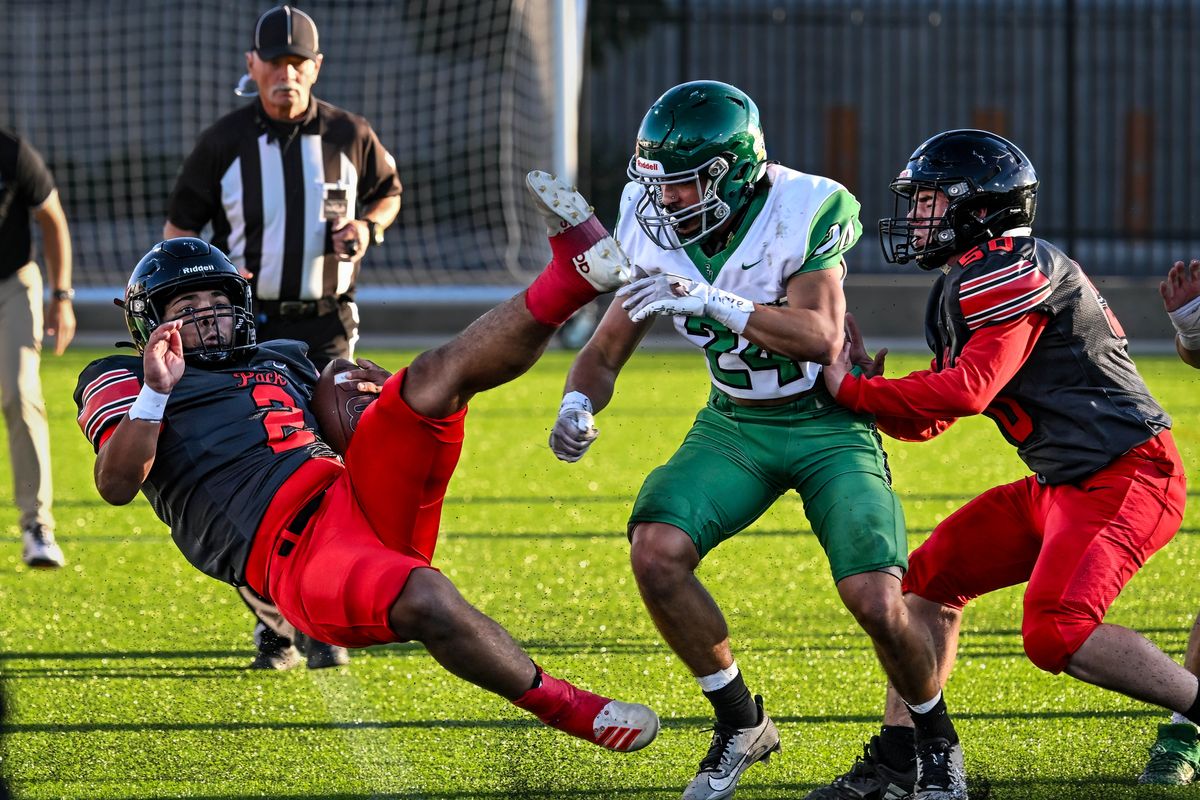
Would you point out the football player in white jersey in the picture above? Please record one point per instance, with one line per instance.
(746, 257)
(1175, 755)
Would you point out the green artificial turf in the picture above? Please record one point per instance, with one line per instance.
(125, 670)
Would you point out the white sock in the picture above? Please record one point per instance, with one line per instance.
(927, 706)
(719, 679)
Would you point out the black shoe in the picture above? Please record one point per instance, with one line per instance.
(940, 774)
(274, 651)
(869, 779)
(321, 655)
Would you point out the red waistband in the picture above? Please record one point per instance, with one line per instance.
(312, 478)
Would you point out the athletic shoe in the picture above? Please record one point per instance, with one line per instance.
(869, 779)
(39, 548)
(732, 752)
(940, 774)
(596, 255)
(1174, 757)
(274, 651)
(611, 724)
(320, 655)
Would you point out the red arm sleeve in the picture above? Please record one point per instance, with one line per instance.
(987, 363)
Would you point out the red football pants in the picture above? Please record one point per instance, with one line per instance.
(1077, 544)
(337, 579)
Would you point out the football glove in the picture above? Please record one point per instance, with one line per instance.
(670, 295)
(1186, 320)
(575, 429)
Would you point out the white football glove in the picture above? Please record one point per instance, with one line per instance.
(575, 429)
(1186, 320)
(670, 295)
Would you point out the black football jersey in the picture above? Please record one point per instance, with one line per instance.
(230, 437)
(1078, 402)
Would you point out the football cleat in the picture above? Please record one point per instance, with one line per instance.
(1174, 756)
(611, 724)
(319, 655)
(940, 774)
(39, 549)
(869, 779)
(274, 651)
(732, 752)
(597, 257)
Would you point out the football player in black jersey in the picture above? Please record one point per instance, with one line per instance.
(1020, 334)
(216, 430)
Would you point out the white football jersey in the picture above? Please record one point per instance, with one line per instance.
(806, 222)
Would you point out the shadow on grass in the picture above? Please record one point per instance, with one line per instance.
(496, 724)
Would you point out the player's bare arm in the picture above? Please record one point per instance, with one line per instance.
(594, 371)
(126, 458)
(811, 326)
(591, 381)
(1181, 298)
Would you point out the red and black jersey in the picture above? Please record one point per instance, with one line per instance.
(1020, 334)
(230, 437)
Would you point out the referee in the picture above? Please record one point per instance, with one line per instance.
(296, 191)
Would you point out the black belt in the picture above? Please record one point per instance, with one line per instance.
(299, 523)
(297, 309)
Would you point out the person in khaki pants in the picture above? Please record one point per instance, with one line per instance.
(27, 190)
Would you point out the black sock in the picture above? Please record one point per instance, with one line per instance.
(934, 724)
(734, 705)
(897, 747)
(1193, 712)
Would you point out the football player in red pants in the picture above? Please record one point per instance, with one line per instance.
(218, 433)
(1020, 334)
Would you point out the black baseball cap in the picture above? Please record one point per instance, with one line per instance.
(285, 31)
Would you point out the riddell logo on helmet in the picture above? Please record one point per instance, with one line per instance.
(201, 268)
(645, 165)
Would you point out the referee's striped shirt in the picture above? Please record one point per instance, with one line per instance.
(263, 192)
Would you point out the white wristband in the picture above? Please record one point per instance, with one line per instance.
(149, 405)
(1186, 320)
(575, 400)
(728, 309)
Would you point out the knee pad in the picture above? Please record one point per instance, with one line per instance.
(1052, 637)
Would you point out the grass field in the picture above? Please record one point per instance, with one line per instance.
(125, 671)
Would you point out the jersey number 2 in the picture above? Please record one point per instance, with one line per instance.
(283, 421)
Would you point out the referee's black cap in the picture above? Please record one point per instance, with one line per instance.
(285, 31)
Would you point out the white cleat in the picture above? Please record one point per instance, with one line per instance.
(624, 727)
(598, 258)
(732, 752)
(40, 550)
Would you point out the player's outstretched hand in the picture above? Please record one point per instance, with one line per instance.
(1181, 286)
(163, 357)
(859, 357)
(369, 376)
(575, 429)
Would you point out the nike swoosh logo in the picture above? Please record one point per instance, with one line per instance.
(755, 264)
(721, 784)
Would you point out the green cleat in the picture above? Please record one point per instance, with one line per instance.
(1174, 757)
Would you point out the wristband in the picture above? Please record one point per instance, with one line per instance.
(149, 405)
(1186, 320)
(727, 308)
(573, 401)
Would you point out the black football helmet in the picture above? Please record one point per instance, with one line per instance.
(989, 186)
(182, 264)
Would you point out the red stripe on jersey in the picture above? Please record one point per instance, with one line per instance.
(1014, 309)
(105, 401)
(994, 295)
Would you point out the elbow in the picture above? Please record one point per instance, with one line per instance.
(115, 492)
(823, 351)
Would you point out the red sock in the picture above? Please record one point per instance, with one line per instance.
(562, 705)
(559, 291)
